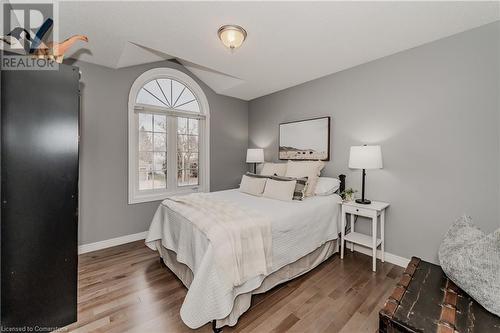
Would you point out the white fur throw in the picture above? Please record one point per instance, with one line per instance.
(471, 259)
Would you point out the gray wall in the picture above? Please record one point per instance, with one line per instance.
(104, 212)
(434, 110)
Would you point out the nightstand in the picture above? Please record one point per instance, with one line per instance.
(371, 211)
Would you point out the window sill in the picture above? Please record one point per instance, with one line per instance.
(149, 197)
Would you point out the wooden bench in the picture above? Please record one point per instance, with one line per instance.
(425, 300)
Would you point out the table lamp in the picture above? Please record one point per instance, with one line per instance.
(365, 157)
(255, 155)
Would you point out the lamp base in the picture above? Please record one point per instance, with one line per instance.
(363, 201)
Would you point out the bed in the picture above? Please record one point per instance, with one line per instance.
(304, 234)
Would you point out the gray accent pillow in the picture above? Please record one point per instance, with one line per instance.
(471, 259)
(251, 174)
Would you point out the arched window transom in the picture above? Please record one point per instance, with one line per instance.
(168, 93)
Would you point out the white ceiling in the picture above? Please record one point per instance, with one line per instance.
(288, 42)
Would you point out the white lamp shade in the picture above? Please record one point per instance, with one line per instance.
(255, 155)
(365, 157)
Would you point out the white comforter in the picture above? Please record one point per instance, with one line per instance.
(298, 228)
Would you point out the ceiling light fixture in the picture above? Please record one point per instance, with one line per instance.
(232, 36)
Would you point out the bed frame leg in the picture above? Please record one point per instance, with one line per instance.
(214, 328)
(162, 263)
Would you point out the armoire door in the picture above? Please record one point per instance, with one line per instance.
(39, 197)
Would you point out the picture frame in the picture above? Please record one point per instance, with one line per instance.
(305, 140)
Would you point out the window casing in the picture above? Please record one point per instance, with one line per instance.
(168, 136)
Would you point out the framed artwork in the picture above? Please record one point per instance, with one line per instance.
(305, 140)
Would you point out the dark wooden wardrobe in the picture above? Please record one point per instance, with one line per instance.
(39, 197)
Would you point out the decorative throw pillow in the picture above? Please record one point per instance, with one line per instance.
(252, 185)
(280, 190)
(272, 169)
(309, 169)
(300, 187)
(326, 186)
(471, 259)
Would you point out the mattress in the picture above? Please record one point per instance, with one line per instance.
(298, 229)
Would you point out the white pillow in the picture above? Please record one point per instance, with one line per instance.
(309, 169)
(278, 189)
(252, 185)
(273, 169)
(326, 186)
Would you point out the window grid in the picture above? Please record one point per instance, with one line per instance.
(187, 152)
(152, 151)
(168, 93)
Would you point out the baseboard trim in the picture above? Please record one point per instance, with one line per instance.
(85, 248)
(389, 257)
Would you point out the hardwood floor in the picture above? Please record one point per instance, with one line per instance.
(126, 289)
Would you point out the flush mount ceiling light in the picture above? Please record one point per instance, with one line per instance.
(232, 36)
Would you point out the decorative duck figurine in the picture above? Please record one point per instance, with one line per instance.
(56, 51)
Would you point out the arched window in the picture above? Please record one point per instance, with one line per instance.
(168, 136)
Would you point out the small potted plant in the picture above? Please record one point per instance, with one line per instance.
(348, 194)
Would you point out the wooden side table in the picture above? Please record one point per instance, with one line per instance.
(371, 211)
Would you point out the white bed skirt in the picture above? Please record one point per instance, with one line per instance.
(242, 302)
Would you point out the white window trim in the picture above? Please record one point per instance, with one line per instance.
(136, 196)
